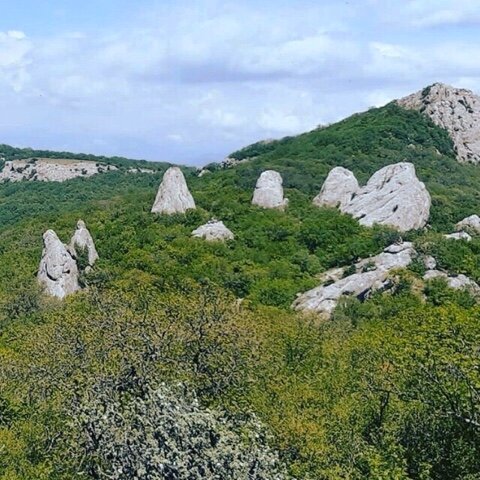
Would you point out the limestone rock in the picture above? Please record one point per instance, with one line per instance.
(269, 191)
(393, 196)
(51, 169)
(58, 273)
(213, 231)
(471, 223)
(457, 110)
(370, 274)
(82, 239)
(459, 236)
(338, 189)
(457, 282)
(429, 262)
(173, 195)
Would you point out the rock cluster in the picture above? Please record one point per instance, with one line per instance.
(457, 282)
(50, 170)
(82, 240)
(173, 194)
(393, 196)
(471, 223)
(58, 272)
(370, 274)
(457, 110)
(269, 191)
(213, 231)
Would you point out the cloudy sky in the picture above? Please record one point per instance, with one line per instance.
(190, 81)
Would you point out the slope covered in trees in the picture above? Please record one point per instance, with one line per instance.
(387, 389)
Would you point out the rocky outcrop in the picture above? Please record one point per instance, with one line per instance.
(269, 191)
(471, 223)
(82, 240)
(370, 274)
(457, 282)
(51, 170)
(58, 273)
(455, 109)
(173, 195)
(213, 231)
(393, 196)
(338, 189)
(459, 236)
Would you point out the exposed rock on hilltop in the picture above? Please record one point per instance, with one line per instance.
(50, 170)
(455, 109)
(173, 195)
(82, 239)
(393, 196)
(213, 231)
(269, 191)
(58, 272)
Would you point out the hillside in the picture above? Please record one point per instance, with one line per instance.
(388, 388)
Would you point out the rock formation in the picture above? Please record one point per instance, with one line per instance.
(457, 110)
(338, 189)
(51, 169)
(213, 231)
(269, 191)
(457, 282)
(58, 273)
(471, 223)
(393, 196)
(370, 274)
(173, 195)
(459, 236)
(82, 240)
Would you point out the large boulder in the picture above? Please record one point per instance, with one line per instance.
(58, 272)
(394, 197)
(173, 195)
(269, 191)
(471, 223)
(82, 240)
(338, 189)
(370, 274)
(213, 231)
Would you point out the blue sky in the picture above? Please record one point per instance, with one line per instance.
(191, 81)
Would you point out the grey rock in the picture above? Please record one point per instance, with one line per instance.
(455, 109)
(269, 191)
(393, 196)
(457, 282)
(173, 195)
(370, 274)
(459, 236)
(429, 262)
(58, 273)
(82, 239)
(338, 189)
(213, 231)
(471, 223)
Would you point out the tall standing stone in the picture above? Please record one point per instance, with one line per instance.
(269, 191)
(82, 239)
(173, 195)
(338, 189)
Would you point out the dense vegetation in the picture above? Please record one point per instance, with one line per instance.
(388, 389)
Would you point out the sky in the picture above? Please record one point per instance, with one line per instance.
(191, 81)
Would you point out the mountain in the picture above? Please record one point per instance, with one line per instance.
(172, 335)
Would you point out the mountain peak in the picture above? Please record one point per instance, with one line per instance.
(455, 109)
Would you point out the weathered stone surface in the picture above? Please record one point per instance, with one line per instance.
(455, 109)
(213, 231)
(82, 239)
(429, 262)
(269, 191)
(471, 223)
(338, 189)
(173, 195)
(393, 196)
(58, 273)
(370, 274)
(50, 170)
(457, 282)
(459, 236)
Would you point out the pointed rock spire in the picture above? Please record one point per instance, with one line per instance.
(173, 195)
(58, 272)
(82, 239)
(269, 191)
(338, 189)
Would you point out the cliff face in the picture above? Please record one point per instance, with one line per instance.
(455, 109)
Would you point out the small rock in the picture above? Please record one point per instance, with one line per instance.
(471, 223)
(459, 236)
(269, 191)
(457, 282)
(429, 262)
(213, 231)
(338, 189)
